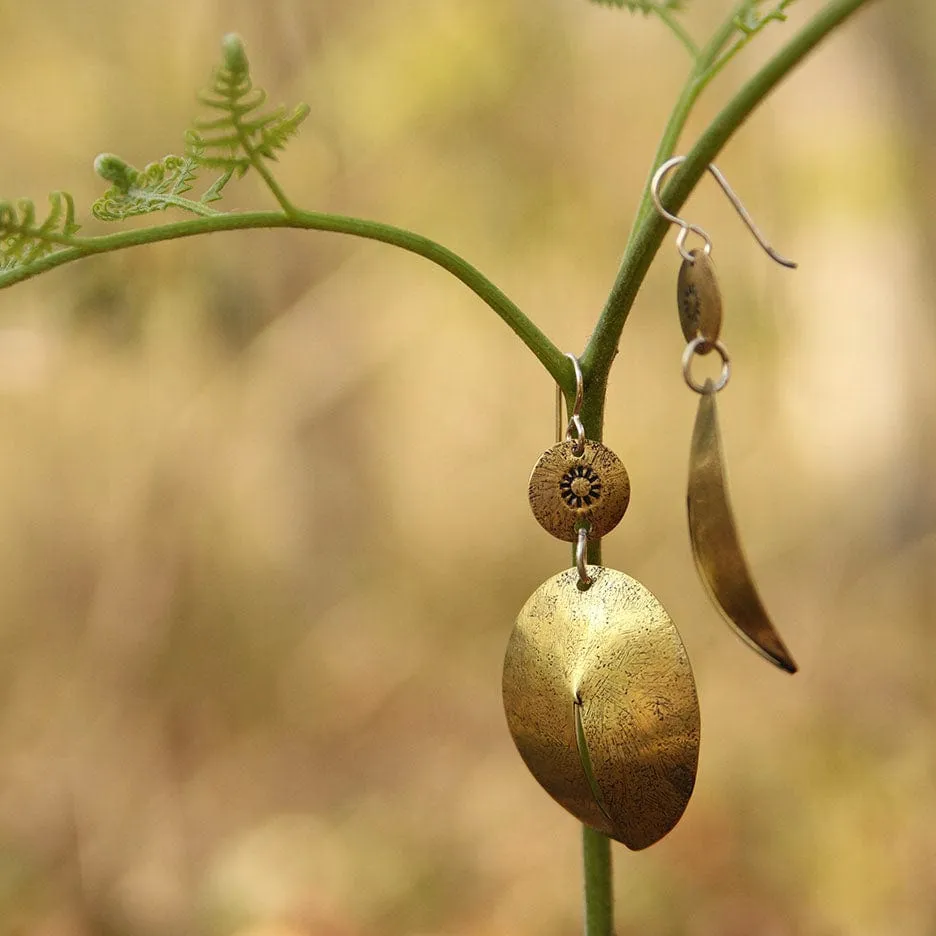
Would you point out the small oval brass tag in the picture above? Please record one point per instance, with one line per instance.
(699, 300)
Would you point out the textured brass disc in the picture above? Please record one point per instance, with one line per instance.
(699, 300)
(601, 702)
(569, 491)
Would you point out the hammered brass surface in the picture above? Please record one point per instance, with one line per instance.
(569, 491)
(601, 702)
(715, 542)
(699, 300)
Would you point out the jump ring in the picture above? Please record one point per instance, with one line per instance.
(692, 349)
(681, 241)
(581, 546)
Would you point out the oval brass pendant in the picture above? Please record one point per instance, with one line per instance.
(602, 705)
(568, 491)
(699, 300)
(715, 542)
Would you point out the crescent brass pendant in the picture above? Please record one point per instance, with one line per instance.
(601, 702)
(715, 542)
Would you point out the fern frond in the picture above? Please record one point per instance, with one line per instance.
(751, 19)
(644, 6)
(236, 140)
(22, 241)
(158, 186)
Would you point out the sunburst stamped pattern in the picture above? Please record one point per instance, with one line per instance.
(569, 491)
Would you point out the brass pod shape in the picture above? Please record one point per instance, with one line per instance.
(568, 491)
(716, 545)
(601, 702)
(699, 300)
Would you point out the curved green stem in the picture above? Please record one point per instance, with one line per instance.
(546, 352)
(186, 204)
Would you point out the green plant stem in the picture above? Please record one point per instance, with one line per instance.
(650, 228)
(288, 207)
(596, 848)
(678, 31)
(599, 889)
(188, 205)
(699, 77)
(75, 248)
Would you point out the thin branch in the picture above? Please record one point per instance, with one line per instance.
(679, 31)
(599, 889)
(257, 160)
(546, 352)
(695, 84)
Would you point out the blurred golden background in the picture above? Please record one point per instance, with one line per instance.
(263, 519)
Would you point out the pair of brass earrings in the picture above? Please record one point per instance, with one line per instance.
(598, 690)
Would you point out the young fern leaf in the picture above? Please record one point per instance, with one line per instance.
(22, 240)
(751, 20)
(644, 6)
(158, 186)
(242, 136)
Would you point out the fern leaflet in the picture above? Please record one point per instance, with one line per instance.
(751, 20)
(158, 186)
(22, 240)
(644, 6)
(243, 135)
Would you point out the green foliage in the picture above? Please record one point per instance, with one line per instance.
(240, 138)
(751, 19)
(158, 186)
(243, 134)
(23, 241)
(643, 6)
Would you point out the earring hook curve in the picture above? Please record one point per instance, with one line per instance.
(686, 227)
(575, 432)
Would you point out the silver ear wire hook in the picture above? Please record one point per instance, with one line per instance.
(575, 432)
(685, 227)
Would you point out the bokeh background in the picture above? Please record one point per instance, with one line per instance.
(263, 521)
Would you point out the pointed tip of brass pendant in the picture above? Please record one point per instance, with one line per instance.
(716, 545)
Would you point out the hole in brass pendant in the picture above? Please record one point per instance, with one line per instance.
(601, 702)
(568, 491)
(715, 542)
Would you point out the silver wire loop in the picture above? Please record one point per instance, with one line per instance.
(686, 227)
(575, 431)
(559, 432)
(581, 551)
(696, 346)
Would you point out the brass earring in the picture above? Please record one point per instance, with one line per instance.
(712, 529)
(598, 691)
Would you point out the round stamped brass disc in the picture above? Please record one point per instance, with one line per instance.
(569, 491)
(699, 300)
(601, 702)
